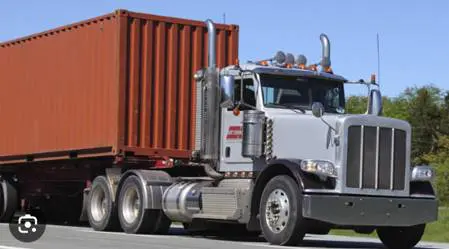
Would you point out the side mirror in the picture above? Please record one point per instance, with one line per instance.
(227, 91)
(374, 102)
(317, 109)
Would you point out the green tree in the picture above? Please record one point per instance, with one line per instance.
(395, 108)
(424, 115)
(356, 104)
(444, 124)
(440, 162)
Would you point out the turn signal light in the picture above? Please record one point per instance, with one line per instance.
(328, 70)
(236, 111)
(312, 67)
(373, 78)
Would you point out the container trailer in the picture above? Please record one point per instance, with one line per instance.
(132, 121)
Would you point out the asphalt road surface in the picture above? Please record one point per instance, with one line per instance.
(65, 237)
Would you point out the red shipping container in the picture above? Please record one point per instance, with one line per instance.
(119, 83)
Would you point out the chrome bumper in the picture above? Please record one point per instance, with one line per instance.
(369, 211)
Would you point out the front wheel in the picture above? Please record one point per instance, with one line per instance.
(280, 212)
(401, 237)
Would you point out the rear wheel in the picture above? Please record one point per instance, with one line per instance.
(132, 215)
(8, 201)
(401, 237)
(280, 212)
(101, 211)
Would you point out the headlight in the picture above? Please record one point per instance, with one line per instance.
(422, 174)
(319, 167)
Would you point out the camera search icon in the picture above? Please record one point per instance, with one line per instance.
(27, 227)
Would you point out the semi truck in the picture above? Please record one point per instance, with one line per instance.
(132, 121)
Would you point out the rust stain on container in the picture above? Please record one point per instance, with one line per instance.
(122, 82)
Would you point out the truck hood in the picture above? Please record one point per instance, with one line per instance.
(298, 135)
(302, 136)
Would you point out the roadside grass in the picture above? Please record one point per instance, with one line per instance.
(437, 231)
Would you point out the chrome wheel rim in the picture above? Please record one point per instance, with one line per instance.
(131, 205)
(98, 204)
(277, 211)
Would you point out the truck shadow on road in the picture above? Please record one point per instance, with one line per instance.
(345, 244)
(309, 241)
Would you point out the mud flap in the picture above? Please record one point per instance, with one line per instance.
(83, 216)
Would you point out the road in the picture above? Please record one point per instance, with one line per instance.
(65, 237)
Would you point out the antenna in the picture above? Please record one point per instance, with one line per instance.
(224, 18)
(378, 60)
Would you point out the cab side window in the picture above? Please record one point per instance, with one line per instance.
(249, 94)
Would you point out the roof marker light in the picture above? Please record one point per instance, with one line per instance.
(312, 67)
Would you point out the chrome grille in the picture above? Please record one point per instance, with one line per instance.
(376, 158)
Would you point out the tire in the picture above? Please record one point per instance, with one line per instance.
(101, 210)
(401, 237)
(9, 201)
(132, 215)
(282, 196)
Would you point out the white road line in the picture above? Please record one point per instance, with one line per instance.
(131, 235)
(12, 247)
(262, 245)
(125, 234)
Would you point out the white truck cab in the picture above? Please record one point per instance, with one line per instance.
(281, 139)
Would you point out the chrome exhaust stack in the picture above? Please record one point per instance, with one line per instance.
(326, 51)
(211, 44)
(210, 104)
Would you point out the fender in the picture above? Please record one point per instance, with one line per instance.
(276, 167)
(153, 183)
(292, 167)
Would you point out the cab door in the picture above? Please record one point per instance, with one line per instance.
(231, 158)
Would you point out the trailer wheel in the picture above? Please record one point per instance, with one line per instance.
(8, 201)
(401, 237)
(101, 211)
(132, 215)
(280, 212)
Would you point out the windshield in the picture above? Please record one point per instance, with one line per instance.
(281, 91)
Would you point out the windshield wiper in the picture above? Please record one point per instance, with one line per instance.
(294, 108)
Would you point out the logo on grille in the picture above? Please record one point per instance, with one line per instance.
(234, 132)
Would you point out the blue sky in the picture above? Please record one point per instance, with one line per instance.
(414, 35)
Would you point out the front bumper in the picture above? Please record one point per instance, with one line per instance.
(369, 211)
